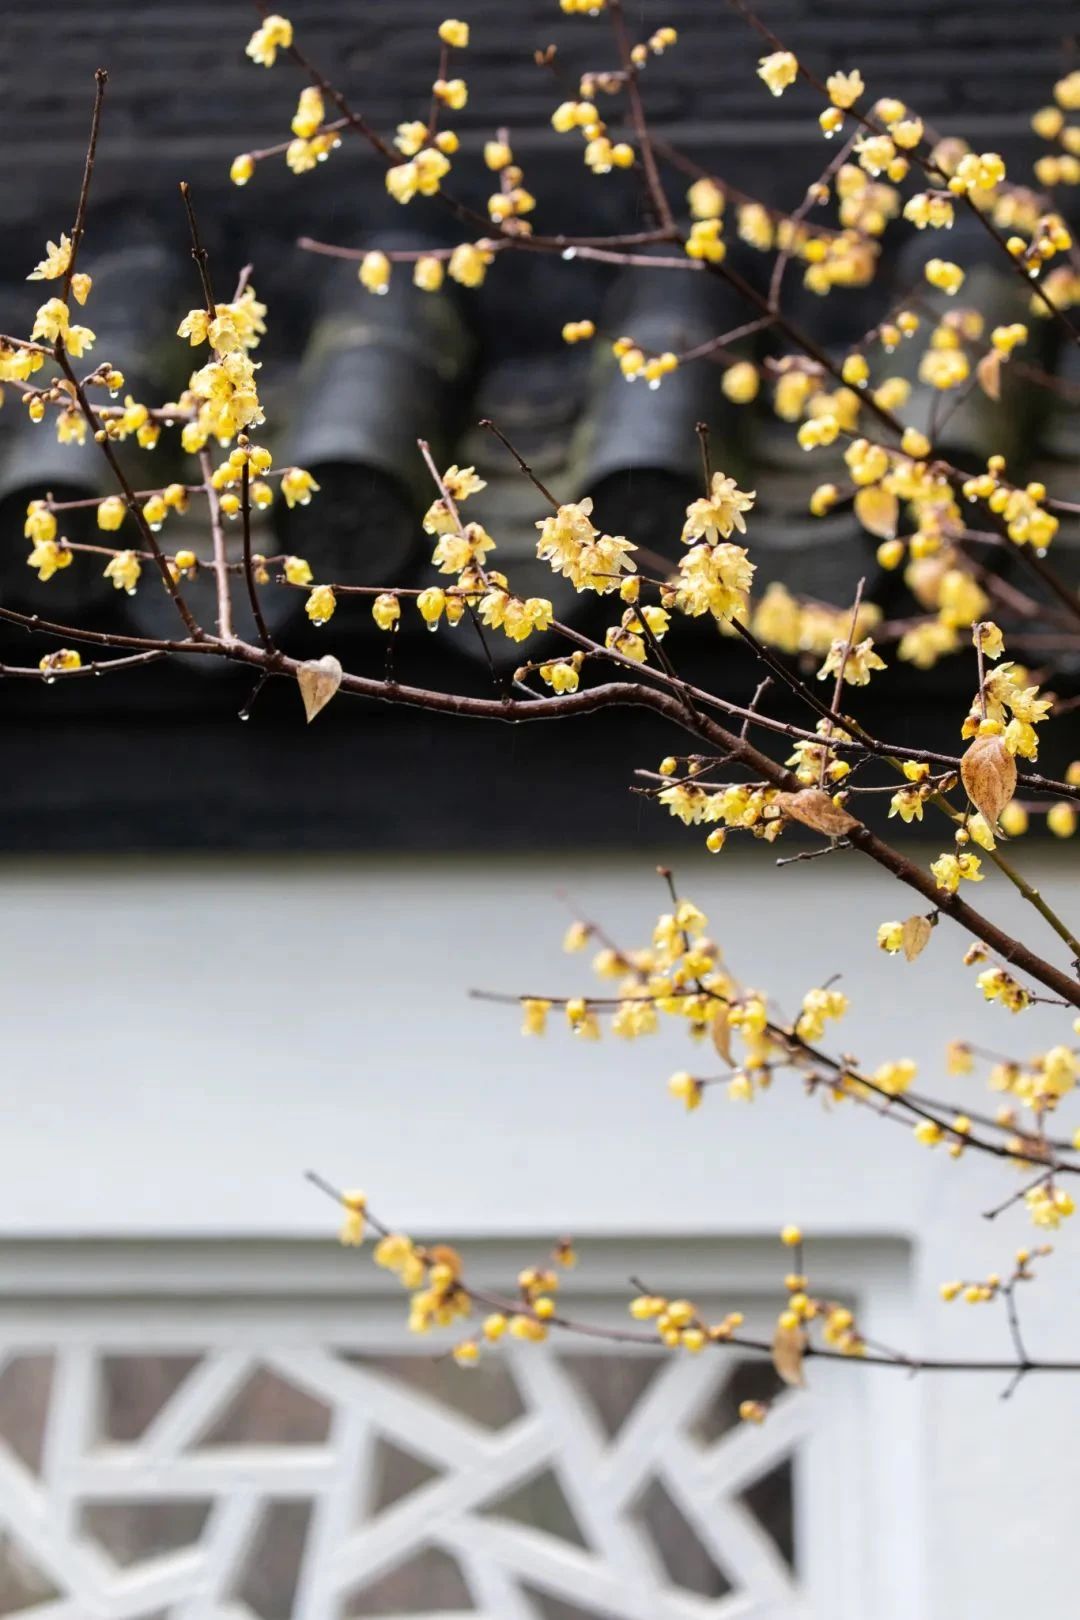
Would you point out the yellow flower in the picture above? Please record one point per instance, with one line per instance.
(195, 326)
(386, 610)
(461, 482)
(241, 169)
(949, 869)
(817, 1007)
(915, 443)
(40, 522)
(297, 486)
(845, 88)
(48, 557)
(320, 605)
(1061, 819)
(55, 262)
(1046, 1208)
(453, 93)
(705, 241)
(924, 210)
(875, 153)
(907, 803)
(297, 571)
(859, 664)
(778, 71)
(431, 604)
(402, 181)
(741, 382)
(428, 273)
(1013, 820)
(469, 262)
(945, 275)
(454, 33)
(374, 272)
(686, 1089)
(1067, 91)
(275, 34)
(60, 662)
(895, 1078)
(977, 172)
(714, 579)
(51, 320)
(535, 1012)
(430, 165)
(309, 113)
(890, 937)
(721, 512)
(124, 570)
(352, 1227)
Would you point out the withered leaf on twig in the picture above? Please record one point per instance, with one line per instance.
(721, 1034)
(815, 808)
(788, 1348)
(318, 681)
(878, 510)
(915, 936)
(988, 371)
(988, 772)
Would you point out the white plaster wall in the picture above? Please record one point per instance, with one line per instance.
(182, 1038)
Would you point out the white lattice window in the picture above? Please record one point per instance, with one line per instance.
(250, 1436)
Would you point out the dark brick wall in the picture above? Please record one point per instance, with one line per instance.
(183, 97)
(159, 759)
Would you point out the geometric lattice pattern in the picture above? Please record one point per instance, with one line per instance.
(321, 1484)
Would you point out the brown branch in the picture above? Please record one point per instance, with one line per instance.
(518, 1305)
(198, 252)
(249, 569)
(653, 184)
(217, 538)
(101, 79)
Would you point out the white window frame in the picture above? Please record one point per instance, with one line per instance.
(858, 1468)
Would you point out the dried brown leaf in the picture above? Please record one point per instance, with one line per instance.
(988, 772)
(788, 1349)
(988, 371)
(915, 936)
(815, 808)
(721, 1035)
(878, 510)
(318, 681)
